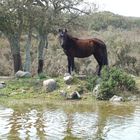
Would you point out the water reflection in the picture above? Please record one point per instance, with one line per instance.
(27, 125)
(123, 127)
(55, 124)
(5, 123)
(108, 121)
(84, 125)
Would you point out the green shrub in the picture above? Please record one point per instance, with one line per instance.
(42, 76)
(114, 81)
(91, 82)
(122, 80)
(106, 90)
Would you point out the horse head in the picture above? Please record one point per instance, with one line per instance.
(63, 37)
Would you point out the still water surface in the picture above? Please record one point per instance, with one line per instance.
(99, 121)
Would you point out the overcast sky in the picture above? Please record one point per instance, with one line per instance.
(122, 7)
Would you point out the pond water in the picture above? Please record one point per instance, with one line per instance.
(99, 121)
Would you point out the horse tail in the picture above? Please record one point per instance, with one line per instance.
(105, 55)
(103, 51)
(105, 60)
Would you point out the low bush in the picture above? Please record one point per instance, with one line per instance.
(113, 81)
(91, 82)
(118, 81)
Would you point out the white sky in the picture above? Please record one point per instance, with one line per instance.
(121, 7)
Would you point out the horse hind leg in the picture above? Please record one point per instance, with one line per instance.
(98, 69)
(100, 62)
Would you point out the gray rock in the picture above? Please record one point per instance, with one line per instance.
(98, 81)
(66, 74)
(96, 90)
(68, 87)
(2, 84)
(49, 85)
(23, 91)
(23, 74)
(68, 79)
(74, 96)
(63, 93)
(133, 98)
(81, 77)
(116, 98)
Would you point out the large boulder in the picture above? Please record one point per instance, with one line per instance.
(116, 98)
(49, 85)
(68, 78)
(23, 74)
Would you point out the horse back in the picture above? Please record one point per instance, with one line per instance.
(84, 47)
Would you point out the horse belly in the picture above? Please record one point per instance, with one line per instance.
(83, 53)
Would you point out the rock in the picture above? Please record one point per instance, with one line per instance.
(98, 81)
(133, 76)
(63, 93)
(68, 79)
(133, 98)
(49, 85)
(96, 90)
(2, 84)
(23, 91)
(81, 77)
(116, 98)
(23, 74)
(80, 89)
(66, 74)
(68, 87)
(74, 96)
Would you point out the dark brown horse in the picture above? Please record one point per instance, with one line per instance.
(74, 47)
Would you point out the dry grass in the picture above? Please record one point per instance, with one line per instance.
(6, 63)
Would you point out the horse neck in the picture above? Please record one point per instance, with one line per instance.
(71, 41)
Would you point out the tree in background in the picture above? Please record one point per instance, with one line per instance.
(11, 24)
(53, 15)
(39, 16)
(30, 15)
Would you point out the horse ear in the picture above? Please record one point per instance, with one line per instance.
(65, 30)
(59, 30)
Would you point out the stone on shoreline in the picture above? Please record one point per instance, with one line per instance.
(49, 85)
(23, 74)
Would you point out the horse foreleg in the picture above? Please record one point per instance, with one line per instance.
(69, 65)
(72, 63)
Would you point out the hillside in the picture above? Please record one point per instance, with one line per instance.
(102, 20)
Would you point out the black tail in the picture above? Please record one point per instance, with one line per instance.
(105, 60)
(105, 55)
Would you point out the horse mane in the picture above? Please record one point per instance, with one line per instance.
(71, 37)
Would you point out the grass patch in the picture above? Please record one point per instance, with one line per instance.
(29, 91)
